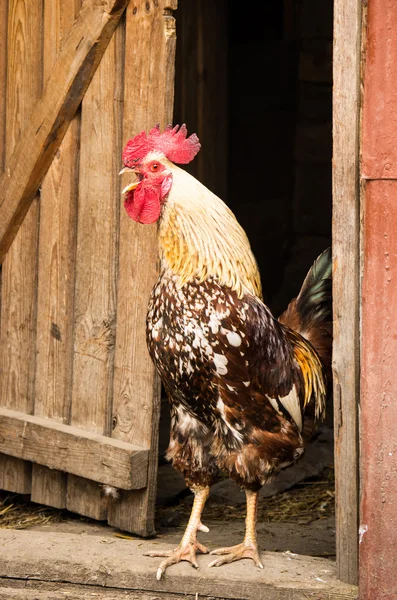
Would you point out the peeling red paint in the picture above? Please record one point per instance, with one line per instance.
(378, 415)
(379, 141)
(378, 426)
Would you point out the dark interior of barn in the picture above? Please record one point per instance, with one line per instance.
(256, 86)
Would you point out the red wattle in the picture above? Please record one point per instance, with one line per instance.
(143, 205)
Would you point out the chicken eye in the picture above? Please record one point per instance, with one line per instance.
(154, 167)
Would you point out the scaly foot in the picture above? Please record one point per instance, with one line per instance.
(243, 550)
(189, 545)
(185, 551)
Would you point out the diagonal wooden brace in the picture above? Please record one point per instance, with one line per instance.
(70, 77)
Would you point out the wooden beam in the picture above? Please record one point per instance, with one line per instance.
(378, 414)
(24, 60)
(95, 283)
(56, 267)
(3, 80)
(74, 450)
(148, 99)
(378, 407)
(346, 278)
(70, 77)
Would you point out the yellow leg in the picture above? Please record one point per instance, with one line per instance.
(249, 547)
(189, 545)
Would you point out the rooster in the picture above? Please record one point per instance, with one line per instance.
(246, 390)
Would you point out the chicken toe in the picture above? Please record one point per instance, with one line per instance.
(185, 551)
(189, 544)
(238, 552)
(249, 547)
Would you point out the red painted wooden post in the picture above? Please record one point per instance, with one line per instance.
(378, 423)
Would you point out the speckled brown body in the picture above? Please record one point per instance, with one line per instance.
(225, 363)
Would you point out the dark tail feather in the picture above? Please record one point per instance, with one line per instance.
(310, 314)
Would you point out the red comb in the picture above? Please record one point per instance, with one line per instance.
(173, 143)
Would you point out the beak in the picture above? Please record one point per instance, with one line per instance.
(126, 170)
(130, 186)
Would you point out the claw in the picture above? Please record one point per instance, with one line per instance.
(172, 557)
(189, 545)
(236, 553)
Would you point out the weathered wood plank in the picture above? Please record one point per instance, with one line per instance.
(85, 497)
(3, 81)
(346, 277)
(57, 245)
(5, 465)
(378, 408)
(120, 565)
(74, 450)
(379, 160)
(38, 590)
(24, 73)
(64, 91)
(19, 270)
(96, 269)
(148, 99)
(378, 414)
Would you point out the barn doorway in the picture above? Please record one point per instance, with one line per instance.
(256, 86)
(280, 114)
(274, 94)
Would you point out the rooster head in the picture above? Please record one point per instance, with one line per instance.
(150, 157)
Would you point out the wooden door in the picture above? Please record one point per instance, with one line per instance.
(79, 398)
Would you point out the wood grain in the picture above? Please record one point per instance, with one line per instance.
(346, 278)
(123, 566)
(19, 270)
(57, 248)
(77, 451)
(378, 408)
(378, 414)
(85, 497)
(379, 160)
(3, 82)
(96, 267)
(148, 99)
(69, 79)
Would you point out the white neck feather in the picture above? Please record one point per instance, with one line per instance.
(200, 237)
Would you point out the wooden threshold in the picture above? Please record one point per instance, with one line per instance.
(77, 451)
(118, 565)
